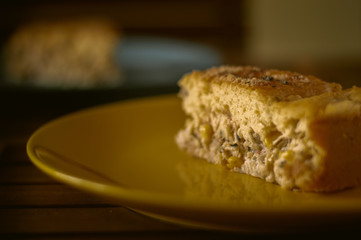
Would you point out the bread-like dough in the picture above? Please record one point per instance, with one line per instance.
(281, 126)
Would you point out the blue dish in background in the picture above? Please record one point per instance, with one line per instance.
(149, 61)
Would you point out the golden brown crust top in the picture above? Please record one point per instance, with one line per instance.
(270, 81)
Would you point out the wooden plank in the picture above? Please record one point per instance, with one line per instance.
(16, 130)
(94, 223)
(46, 196)
(77, 220)
(23, 174)
(188, 234)
(13, 151)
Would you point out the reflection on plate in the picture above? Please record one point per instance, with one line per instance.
(126, 152)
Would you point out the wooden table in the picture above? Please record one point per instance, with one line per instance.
(34, 206)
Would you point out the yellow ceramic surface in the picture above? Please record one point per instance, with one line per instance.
(126, 152)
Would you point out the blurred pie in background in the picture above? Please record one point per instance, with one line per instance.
(64, 54)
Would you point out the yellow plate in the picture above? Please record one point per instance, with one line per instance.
(126, 152)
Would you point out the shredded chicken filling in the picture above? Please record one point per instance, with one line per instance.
(266, 155)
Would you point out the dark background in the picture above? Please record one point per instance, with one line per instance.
(321, 38)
